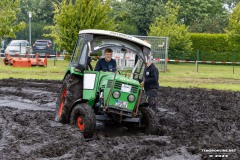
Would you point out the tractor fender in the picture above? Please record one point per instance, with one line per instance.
(81, 100)
(68, 72)
(72, 70)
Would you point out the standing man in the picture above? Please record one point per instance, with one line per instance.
(151, 84)
(106, 64)
(3, 46)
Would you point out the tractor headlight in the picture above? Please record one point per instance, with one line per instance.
(116, 94)
(131, 98)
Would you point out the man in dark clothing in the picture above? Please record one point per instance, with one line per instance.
(107, 63)
(151, 84)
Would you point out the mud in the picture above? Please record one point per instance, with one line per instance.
(193, 123)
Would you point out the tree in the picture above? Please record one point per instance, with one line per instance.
(210, 24)
(42, 10)
(37, 31)
(74, 15)
(135, 16)
(42, 15)
(9, 25)
(208, 16)
(167, 26)
(121, 15)
(233, 29)
(144, 12)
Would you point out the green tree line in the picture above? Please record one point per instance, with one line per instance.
(61, 20)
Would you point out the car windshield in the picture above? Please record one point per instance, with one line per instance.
(41, 44)
(43, 41)
(15, 43)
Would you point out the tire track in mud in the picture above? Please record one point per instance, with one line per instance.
(203, 119)
(31, 134)
(190, 119)
(34, 135)
(39, 91)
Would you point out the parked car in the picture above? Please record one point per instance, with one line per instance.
(42, 47)
(18, 47)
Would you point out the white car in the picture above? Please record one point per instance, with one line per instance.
(18, 48)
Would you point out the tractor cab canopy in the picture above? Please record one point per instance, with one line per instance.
(128, 51)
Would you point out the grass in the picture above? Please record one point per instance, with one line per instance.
(183, 75)
(219, 77)
(54, 72)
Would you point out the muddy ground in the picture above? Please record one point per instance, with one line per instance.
(195, 124)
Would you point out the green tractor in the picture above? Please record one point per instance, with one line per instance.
(88, 96)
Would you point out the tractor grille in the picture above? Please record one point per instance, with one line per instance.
(134, 89)
(118, 85)
(110, 83)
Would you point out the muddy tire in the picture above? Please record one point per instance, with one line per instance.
(143, 102)
(83, 117)
(149, 120)
(71, 90)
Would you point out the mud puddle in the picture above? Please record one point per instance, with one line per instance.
(24, 105)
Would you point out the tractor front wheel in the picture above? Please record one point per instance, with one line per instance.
(149, 120)
(83, 117)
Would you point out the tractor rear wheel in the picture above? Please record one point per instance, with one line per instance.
(71, 90)
(83, 117)
(149, 120)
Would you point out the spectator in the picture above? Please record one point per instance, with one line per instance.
(151, 84)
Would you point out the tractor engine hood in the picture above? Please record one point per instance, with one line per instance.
(107, 79)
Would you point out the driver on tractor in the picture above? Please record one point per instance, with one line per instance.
(106, 63)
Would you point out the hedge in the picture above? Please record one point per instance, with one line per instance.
(210, 42)
(211, 47)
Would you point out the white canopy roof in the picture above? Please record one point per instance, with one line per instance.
(116, 34)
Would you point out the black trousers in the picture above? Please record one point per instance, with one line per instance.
(152, 95)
